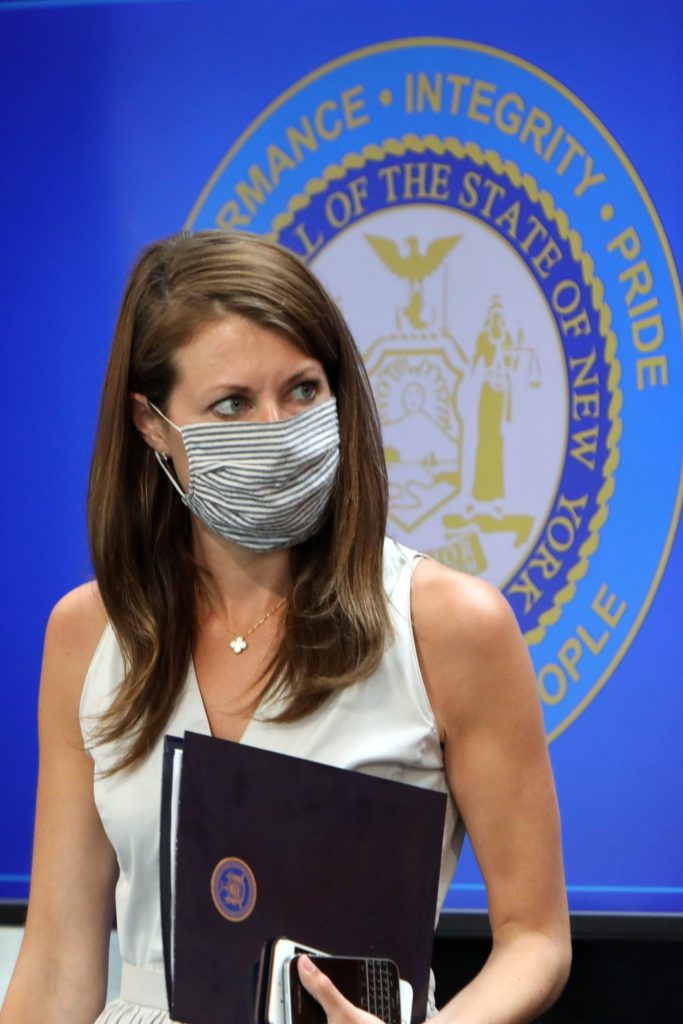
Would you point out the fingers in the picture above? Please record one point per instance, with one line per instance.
(338, 1009)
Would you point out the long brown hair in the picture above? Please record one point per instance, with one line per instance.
(337, 622)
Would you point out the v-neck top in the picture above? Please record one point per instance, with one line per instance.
(383, 725)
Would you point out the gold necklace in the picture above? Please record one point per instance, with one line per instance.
(239, 643)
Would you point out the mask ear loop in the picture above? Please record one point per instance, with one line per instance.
(162, 458)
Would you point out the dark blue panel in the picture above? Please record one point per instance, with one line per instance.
(113, 116)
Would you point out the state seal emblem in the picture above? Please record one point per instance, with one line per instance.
(233, 889)
(515, 301)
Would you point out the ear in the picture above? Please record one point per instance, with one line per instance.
(149, 424)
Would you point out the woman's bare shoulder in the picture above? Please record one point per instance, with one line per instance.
(457, 608)
(74, 630)
(471, 652)
(78, 619)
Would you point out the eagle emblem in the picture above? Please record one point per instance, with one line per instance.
(415, 267)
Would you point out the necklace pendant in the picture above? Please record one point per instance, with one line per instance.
(239, 644)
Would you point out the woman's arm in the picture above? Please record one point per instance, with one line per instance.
(481, 686)
(61, 972)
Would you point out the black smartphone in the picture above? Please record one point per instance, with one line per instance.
(372, 984)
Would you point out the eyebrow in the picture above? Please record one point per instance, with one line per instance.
(307, 371)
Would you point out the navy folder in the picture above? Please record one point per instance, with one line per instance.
(267, 845)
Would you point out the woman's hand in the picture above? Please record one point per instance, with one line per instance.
(338, 1010)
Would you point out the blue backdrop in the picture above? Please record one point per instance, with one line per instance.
(114, 117)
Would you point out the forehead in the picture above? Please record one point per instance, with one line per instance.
(239, 347)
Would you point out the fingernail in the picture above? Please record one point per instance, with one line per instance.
(307, 965)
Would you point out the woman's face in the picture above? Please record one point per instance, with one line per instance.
(234, 370)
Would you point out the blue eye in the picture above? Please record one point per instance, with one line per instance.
(306, 391)
(231, 406)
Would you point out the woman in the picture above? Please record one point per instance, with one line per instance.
(261, 602)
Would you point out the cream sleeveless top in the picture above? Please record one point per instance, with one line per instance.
(383, 726)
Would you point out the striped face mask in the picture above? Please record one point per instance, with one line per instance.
(261, 485)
